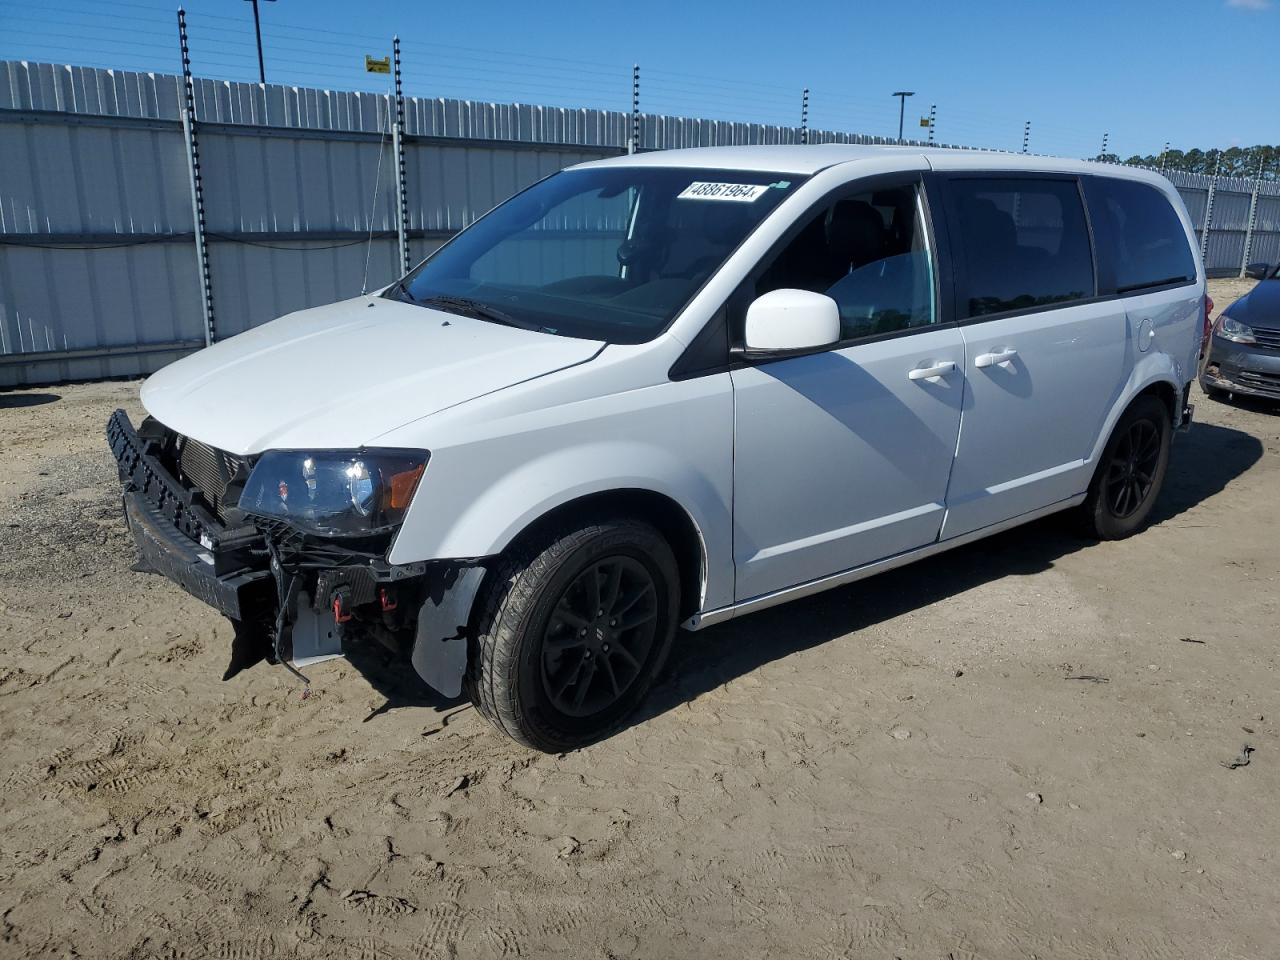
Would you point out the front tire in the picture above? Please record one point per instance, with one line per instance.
(1130, 473)
(572, 629)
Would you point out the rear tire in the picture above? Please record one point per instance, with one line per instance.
(551, 673)
(1130, 473)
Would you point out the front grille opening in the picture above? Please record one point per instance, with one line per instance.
(206, 470)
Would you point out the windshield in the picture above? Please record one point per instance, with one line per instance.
(612, 253)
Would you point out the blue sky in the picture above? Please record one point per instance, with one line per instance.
(1195, 72)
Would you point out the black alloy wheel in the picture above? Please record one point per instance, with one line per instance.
(1132, 470)
(572, 626)
(599, 636)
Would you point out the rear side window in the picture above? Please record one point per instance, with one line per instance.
(1025, 244)
(1141, 241)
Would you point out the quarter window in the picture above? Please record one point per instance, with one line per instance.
(870, 254)
(1140, 238)
(1025, 244)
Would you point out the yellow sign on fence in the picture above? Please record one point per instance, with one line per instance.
(376, 65)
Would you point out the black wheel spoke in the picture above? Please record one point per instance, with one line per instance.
(633, 600)
(613, 677)
(635, 619)
(625, 654)
(567, 616)
(559, 645)
(584, 684)
(593, 590)
(571, 677)
(613, 587)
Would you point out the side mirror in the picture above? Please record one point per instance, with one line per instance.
(1257, 271)
(783, 322)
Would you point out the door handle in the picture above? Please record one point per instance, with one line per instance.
(931, 373)
(991, 359)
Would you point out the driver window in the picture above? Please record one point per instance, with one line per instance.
(870, 254)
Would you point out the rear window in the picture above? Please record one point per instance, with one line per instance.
(1141, 241)
(1025, 241)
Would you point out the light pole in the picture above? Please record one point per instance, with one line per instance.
(257, 30)
(902, 107)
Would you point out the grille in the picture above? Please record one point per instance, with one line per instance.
(207, 469)
(1267, 338)
(1268, 383)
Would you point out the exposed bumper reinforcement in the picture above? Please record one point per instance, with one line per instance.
(171, 554)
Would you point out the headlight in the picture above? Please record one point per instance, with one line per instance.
(1235, 331)
(334, 493)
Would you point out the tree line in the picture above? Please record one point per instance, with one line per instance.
(1232, 162)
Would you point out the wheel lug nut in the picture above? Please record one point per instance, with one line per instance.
(606, 648)
(582, 632)
(613, 623)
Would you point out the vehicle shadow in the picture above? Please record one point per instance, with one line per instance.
(1201, 465)
(393, 676)
(14, 401)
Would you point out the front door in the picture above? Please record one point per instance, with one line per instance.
(842, 457)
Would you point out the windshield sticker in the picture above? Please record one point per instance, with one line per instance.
(739, 192)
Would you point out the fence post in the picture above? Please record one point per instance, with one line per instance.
(402, 193)
(633, 142)
(804, 116)
(1253, 215)
(1208, 211)
(188, 107)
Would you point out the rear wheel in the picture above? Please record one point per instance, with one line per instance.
(1130, 473)
(571, 631)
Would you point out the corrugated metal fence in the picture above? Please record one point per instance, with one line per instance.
(98, 277)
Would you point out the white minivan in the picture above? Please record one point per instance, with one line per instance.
(665, 390)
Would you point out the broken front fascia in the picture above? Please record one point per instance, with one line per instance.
(283, 591)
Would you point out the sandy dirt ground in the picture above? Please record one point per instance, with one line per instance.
(1019, 749)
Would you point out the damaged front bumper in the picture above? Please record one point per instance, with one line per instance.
(291, 598)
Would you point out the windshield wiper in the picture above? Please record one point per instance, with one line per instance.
(401, 290)
(474, 308)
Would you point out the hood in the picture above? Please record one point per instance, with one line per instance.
(1260, 307)
(338, 376)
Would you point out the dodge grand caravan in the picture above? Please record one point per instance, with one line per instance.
(665, 390)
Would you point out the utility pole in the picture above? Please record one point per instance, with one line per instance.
(1102, 157)
(1026, 136)
(257, 30)
(804, 116)
(902, 107)
(1163, 153)
(933, 120)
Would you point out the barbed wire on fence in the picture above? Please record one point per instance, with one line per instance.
(138, 35)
